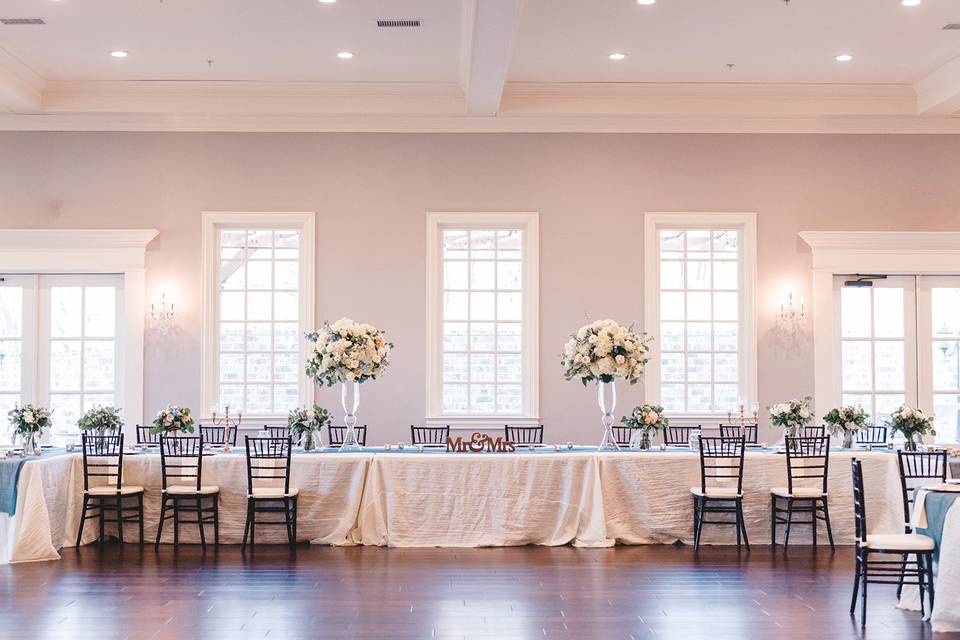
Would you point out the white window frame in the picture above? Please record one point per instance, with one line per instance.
(746, 224)
(212, 222)
(529, 223)
(94, 251)
(926, 253)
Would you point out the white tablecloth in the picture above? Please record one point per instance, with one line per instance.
(646, 497)
(475, 500)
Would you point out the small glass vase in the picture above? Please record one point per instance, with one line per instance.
(848, 439)
(310, 440)
(350, 400)
(909, 444)
(31, 442)
(607, 399)
(640, 440)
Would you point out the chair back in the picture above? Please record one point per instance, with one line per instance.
(917, 468)
(181, 460)
(146, 436)
(429, 435)
(720, 459)
(749, 432)
(622, 434)
(268, 463)
(336, 434)
(674, 435)
(859, 501)
(102, 458)
(872, 435)
(217, 435)
(277, 431)
(813, 432)
(524, 434)
(808, 460)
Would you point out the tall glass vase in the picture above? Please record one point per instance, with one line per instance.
(607, 399)
(350, 399)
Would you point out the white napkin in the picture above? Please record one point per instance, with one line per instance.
(918, 519)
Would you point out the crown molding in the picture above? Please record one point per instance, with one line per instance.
(20, 88)
(74, 250)
(925, 252)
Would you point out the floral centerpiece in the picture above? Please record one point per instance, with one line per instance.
(846, 420)
(792, 415)
(101, 420)
(911, 423)
(172, 419)
(604, 351)
(646, 420)
(28, 423)
(306, 423)
(348, 353)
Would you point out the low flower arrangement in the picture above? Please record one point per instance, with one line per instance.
(911, 423)
(173, 419)
(646, 420)
(101, 420)
(29, 422)
(846, 421)
(306, 423)
(347, 351)
(605, 350)
(792, 415)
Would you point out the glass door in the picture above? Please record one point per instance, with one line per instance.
(17, 344)
(939, 340)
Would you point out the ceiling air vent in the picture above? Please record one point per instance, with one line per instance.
(952, 26)
(398, 23)
(12, 21)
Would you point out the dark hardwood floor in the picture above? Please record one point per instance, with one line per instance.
(365, 592)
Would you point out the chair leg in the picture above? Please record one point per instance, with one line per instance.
(246, 526)
(929, 563)
(903, 570)
(773, 521)
(100, 504)
(286, 519)
(295, 508)
(856, 585)
(826, 520)
(163, 514)
(922, 581)
(253, 522)
(865, 574)
(697, 523)
(216, 520)
(83, 518)
(813, 523)
(737, 522)
(786, 534)
(203, 541)
(140, 515)
(176, 522)
(743, 523)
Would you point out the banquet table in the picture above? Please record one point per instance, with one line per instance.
(414, 498)
(937, 514)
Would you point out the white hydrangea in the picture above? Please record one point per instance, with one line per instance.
(347, 351)
(604, 350)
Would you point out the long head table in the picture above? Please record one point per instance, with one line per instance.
(411, 498)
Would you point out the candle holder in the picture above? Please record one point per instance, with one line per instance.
(228, 422)
(740, 419)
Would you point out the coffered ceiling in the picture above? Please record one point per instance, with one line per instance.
(480, 65)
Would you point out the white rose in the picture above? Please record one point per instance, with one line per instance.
(651, 417)
(804, 412)
(28, 417)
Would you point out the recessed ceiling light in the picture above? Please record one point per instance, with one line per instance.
(344, 55)
(119, 54)
(617, 56)
(909, 3)
(326, 1)
(843, 57)
(646, 2)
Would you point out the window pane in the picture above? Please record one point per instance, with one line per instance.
(258, 367)
(857, 366)
(481, 367)
(98, 365)
(231, 336)
(698, 244)
(454, 398)
(699, 397)
(286, 306)
(698, 274)
(673, 397)
(725, 241)
(698, 306)
(855, 319)
(285, 397)
(258, 336)
(888, 313)
(231, 395)
(725, 367)
(232, 237)
(65, 303)
(455, 367)
(286, 275)
(890, 373)
(508, 367)
(481, 275)
(698, 336)
(482, 398)
(509, 398)
(11, 312)
(699, 367)
(231, 367)
(671, 241)
(945, 303)
(286, 336)
(286, 239)
(482, 336)
(66, 410)
(885, 405)
(455, 336)
(286, 367)
(259, 275)
(482, 306)
(259, 398)
(946, 365)
(946, 410)
(672, 367)
(725, 306)
(65, 372)
(726, 396)
(509, 306)
(672, 306)
(231, 306)
(725, 275)
(232, 275)
(671, 336)
(455, 244)
(455, 274)
(509, 336)
(725, 336)
(509, 275)
(671, 274)
(455, 306)
(259, 306)
(100, 309)
(482, 244)
(10, 368)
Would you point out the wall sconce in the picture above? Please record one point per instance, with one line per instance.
(162, 314)
(791, 315)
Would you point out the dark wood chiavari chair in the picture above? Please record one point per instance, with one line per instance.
(872, 436)
(217, 435)
(146, 436)
(523, 434)
(622, 434)
(277, 431)
(429, 435)
(103, 459)
(268, 484)
(183, 491)
(808, 465)
(919, 468)
(720, 458)
(678, 435)
(335, 435)
(900, 571)
(749, 432)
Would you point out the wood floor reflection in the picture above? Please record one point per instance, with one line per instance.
(365, 592)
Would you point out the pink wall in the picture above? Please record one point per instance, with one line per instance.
(370, 193)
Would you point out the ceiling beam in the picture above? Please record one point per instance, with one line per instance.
(488, 33)
(20, 88)
(938, 94)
